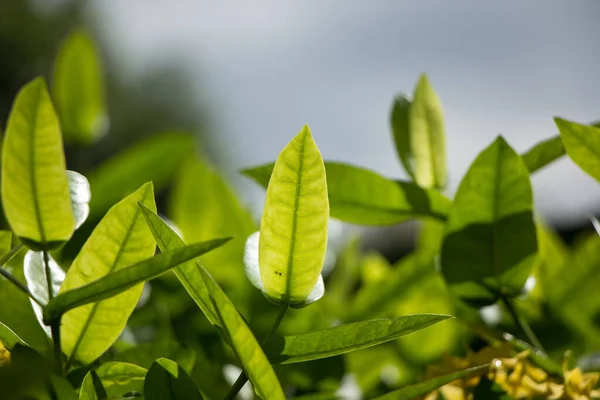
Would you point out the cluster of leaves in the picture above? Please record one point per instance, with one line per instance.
(101, 330)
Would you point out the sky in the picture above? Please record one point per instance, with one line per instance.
(265, 68)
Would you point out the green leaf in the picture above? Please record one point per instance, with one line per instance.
(221, 310)
(117, 378)
(490, 241)
(345, 338)
(427, 136)
(400, 123)
(79, 189)
(293, 229)
(5, 242)
(543, 154)
(361, 196)
(145, 354)
(155, 159)
(78, 89)
(201, 194)
(168, 381)
(117, 282)
(35, 276)
(8, 338)
(120, 240)
(582, 144)
(422, 388)
(35, 191)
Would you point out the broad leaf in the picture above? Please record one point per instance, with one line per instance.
(78, 89)
(166, 380)
(201, 194)
(361, 196)
(5, 242)
(117, 282)
(120, 240)
(35, 275)
(293, 229)
(422, 388)
(145, 354)
(400, 123)
(155, 159)
(221, 312)
(427, 136)
(490, 240)
(345, 338)
(8, 338)
(543, 154)
(35, 191)
(582, 144)
(117, 379)
(79, 189)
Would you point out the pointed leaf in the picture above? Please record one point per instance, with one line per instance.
(78, 89)
(79, 189)
(422, 388)
(35, 191)
(8, 338)
(120, 239)
(293, 229)
(154, 159)
(204, 289)
(490, 240)
(361, 196)
(582, 144)
(400, 122)
(345, 338)
(427, 136)
(543, 153)
(117, 379)
(35, 276)
(92, 387)
(168, 381)
(145, 354)
(124, 279)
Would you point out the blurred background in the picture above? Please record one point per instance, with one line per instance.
(245, 77)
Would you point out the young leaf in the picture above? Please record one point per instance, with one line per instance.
(117, 282)
(582, 144)
(120, 239)
(221, 310)
(35, 276)
(35, 191)
(490, 240)
(117, 379)
(201, 194)
(345, 338)
(8, 338)
(543, 154)
(166, 380)
(422, 388)
(293, 229)
(154, 159)
(361, 196)
(78, 89)
(427, 136)
(400, 122)
(79, 189)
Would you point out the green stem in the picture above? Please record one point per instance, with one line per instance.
(243, 378)
(54, 325)
(522, 322)
(6, 258)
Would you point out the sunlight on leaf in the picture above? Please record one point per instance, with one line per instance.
(582, 143)
(117, 379)
(166, 380)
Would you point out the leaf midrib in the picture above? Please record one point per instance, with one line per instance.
(96, 305)
(32, 175)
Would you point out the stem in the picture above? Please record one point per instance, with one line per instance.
(54, 325)
(523, 324)
(243, 378)
(6, 258)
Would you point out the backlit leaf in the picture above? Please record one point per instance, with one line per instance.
(293, 229)
(345, 338)
(490, 240)
(117, 379)
(35, 191)
(166, 380)
(120, 240)
(361, 196)
(78, 89)
(582, 143)
(543, 153)
(400, 123)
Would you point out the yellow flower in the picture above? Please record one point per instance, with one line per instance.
(519, 378)
(577, 385)
(4, 356)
